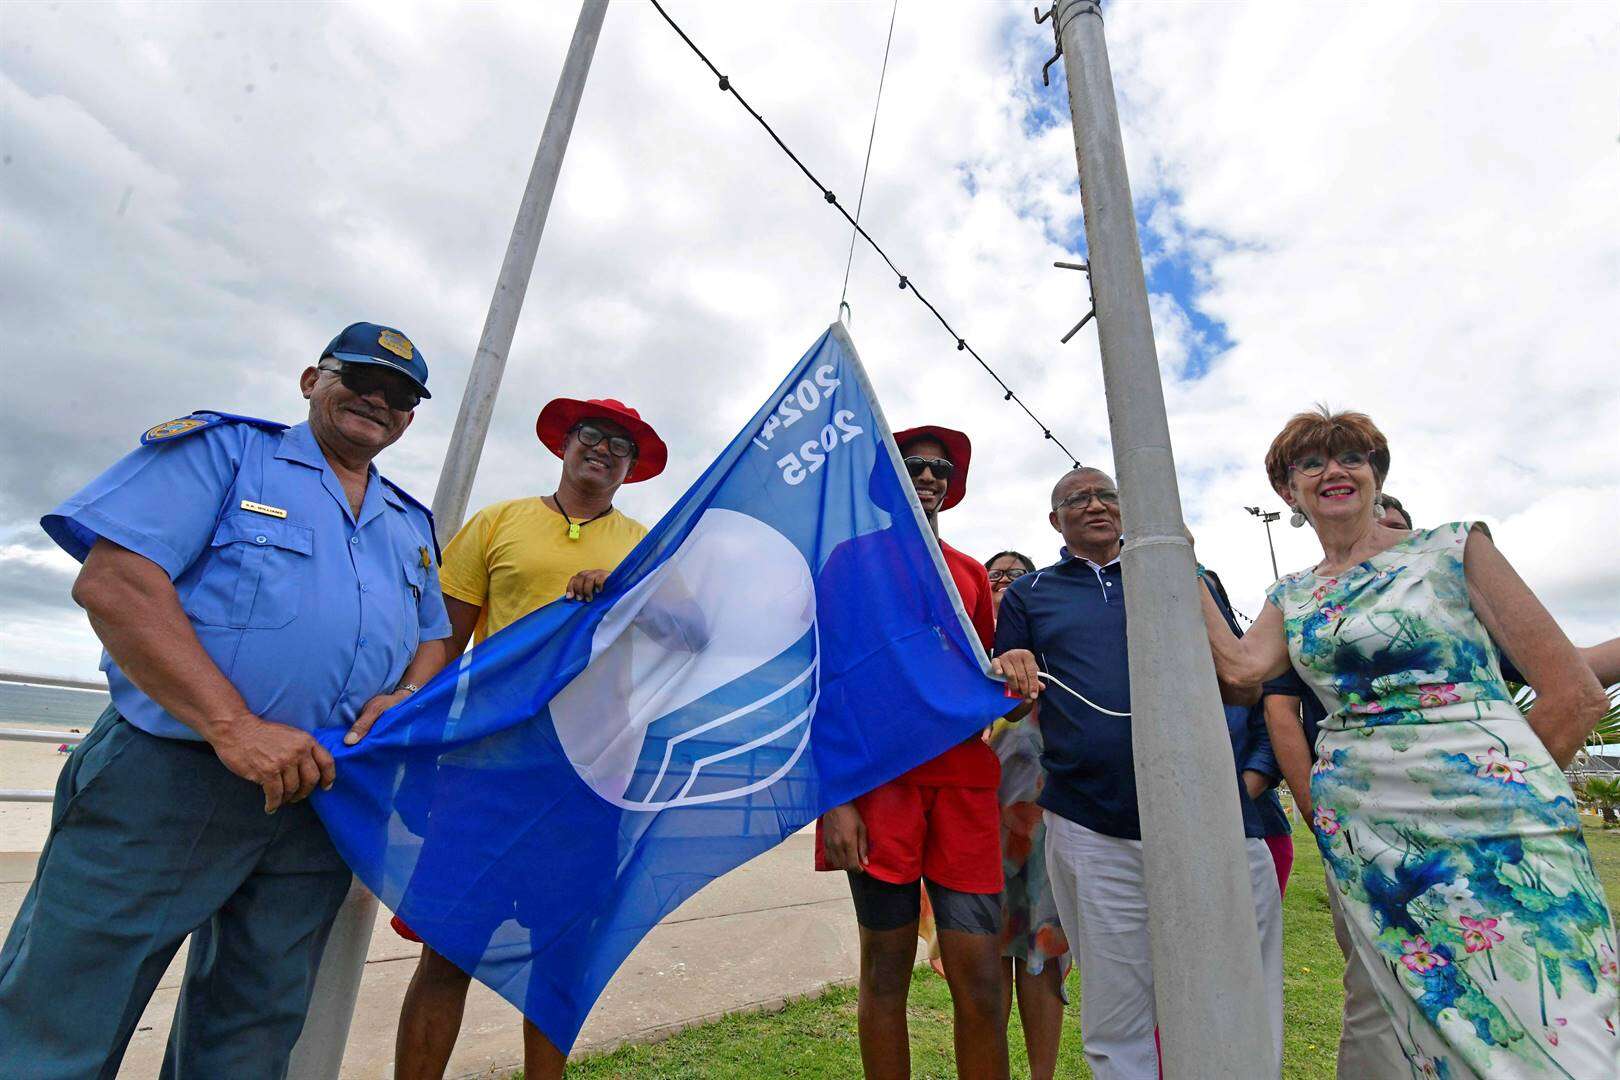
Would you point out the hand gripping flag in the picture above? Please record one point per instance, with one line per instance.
(784, 640)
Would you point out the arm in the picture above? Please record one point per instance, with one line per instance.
(431, 658)
(843, 837)
(1288, 744)
(1014, 655)
(1604, 660)
(1231, 693)
(136, 613)
(1249, 660)
(1260, 770)
(1569, 701)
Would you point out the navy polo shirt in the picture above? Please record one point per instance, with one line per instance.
(1072, 617)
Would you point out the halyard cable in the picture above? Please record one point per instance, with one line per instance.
(826, 193)
(871, 137)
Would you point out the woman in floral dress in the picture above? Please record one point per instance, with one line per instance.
(1440, 809)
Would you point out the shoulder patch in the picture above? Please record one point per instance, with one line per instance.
(410, 500)
(202, 420)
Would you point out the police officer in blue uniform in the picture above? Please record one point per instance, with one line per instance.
(252, 584)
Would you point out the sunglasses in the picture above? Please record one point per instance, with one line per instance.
(1106, 496)
(362, 380)
(941, 468)
(1008, 575)
(1313, 464)
(618, 445)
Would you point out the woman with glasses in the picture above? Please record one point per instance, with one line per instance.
(1441, 811)
(1035, 953)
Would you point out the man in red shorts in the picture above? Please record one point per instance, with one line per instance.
(938, 824)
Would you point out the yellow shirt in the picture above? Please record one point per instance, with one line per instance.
(513, 557)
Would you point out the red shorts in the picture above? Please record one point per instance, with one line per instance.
(948, 834)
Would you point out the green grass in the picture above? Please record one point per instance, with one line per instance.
(815, 1038)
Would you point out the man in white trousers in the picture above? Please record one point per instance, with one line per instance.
(1069, 620)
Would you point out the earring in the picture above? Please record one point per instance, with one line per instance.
(1378, 506)
(1298, 520)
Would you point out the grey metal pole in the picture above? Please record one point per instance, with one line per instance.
(489, 363)
(1206, 951)
(319, 1053)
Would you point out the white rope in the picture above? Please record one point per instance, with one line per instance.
(871, 136)
(1055, 681)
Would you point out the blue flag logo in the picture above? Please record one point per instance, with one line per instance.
(784, 640)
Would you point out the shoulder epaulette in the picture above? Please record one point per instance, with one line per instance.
(202, 420)
(410, 500)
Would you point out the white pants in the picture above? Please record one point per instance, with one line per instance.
(1368, 1045)
(1101, 895)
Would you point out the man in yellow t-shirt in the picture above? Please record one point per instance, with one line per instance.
(508, 560)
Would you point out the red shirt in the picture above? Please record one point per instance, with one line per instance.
(970, 763)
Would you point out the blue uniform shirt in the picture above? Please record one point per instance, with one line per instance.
(308, 615)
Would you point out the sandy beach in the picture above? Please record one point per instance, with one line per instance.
(33, 766)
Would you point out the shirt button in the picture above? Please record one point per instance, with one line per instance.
(260, 539)
(365, 588)
(362, 641)
(354, 539)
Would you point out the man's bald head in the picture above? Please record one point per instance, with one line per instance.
(1075, 479)
(1085, 510)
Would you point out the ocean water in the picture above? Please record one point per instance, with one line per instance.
(50, 706)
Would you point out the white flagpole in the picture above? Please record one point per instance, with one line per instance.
(319, 1053)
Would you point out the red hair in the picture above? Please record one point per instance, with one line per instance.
(1326, 432)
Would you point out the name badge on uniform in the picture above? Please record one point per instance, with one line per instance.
(260, 508)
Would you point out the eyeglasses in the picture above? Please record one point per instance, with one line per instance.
(1106, 496)
(1313, 464)
(362, 380)
(1008, 575)
(941, 468)
(618, 445)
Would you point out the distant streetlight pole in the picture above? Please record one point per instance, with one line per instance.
(1268, 516)
(319, 1053)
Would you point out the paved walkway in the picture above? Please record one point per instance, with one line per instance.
(766, 933)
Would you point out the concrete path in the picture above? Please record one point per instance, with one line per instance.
(769, 932)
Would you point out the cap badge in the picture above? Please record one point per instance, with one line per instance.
(171, 428)
(396, 343)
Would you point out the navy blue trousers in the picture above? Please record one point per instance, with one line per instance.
(151, 840)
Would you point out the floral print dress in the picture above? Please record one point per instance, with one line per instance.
(1030, 930)
(1450, 832)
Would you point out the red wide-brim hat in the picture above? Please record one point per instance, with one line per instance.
(957, 447)
(560, 415)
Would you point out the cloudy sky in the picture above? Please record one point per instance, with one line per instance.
(1411, 212)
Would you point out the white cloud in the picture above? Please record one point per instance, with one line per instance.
(1412, 214)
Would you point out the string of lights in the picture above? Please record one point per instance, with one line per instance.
(905, 282)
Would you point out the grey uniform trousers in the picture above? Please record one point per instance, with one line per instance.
(153, 839)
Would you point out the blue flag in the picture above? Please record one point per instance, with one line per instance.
(785, 639)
